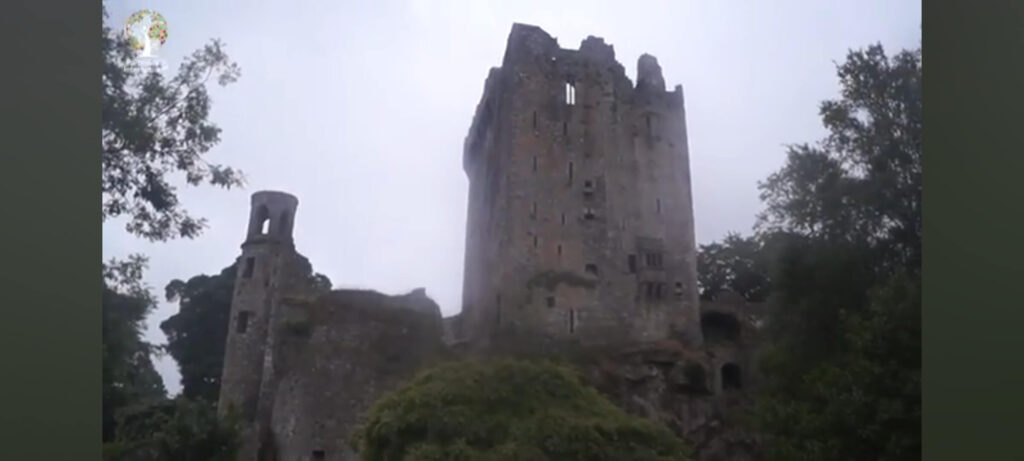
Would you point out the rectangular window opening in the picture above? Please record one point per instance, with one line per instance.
(632, 263)
(570, 172)
(534, 120)
(250, 264)
(565, 128)
(591, 269)
(242, 322)
(551, 301)
(570, 93)
(319, 455)
(535, 241)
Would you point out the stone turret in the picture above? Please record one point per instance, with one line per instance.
(268, 253)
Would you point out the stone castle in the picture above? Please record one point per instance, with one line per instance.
(580, 238)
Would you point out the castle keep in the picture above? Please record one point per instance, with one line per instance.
(580, 231)
(580, 222)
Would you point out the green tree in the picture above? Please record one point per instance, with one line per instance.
(154, 127)
(738, 264)
(843, 371)
(507, 410)
(128, 373)
(197, 333)
(862, 183)
(174, 430)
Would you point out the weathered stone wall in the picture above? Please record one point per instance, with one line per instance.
(342, 351)
(266, 265)
(584, 188)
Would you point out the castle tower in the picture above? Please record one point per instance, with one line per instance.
(267, 252)
(580, 222)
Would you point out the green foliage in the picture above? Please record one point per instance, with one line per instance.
(154, 127)
(128, 372)
(737, 264)
(864, 404)
(507, 410)
(197, 333)
(842, 377)
(862, 183)
(174, 430)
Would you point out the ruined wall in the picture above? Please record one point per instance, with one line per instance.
(342, 351)
(580, 221)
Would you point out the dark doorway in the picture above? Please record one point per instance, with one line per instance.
(731, 377)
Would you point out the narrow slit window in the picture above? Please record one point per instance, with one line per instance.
(570, 93)
(559, 250)
(563, 219)
(658, 205)
(572, 320)
(649, 131)
(565, 129)
(242, 322)
(535, 241)
(250, 264)
(535, 120)
(570, 172)
(631, 261)
(533, 210)
(534, 163)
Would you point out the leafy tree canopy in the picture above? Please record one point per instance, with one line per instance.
(128, 372)
(844, 215)
(154, 127)
(737, 264)
(507, 410)
(197, 333)
(174, 430)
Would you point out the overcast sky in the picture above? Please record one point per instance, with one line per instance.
(360, 110)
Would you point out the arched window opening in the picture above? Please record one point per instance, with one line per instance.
(261, 221)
